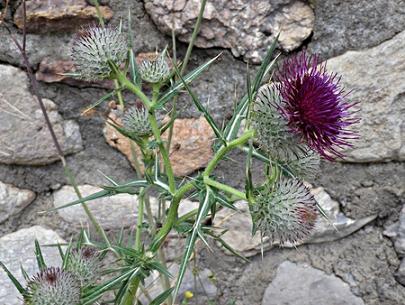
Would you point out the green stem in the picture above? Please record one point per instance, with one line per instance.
(133, 88)
(164, 279)
(98, 11)
(161, 255)
(141, 205)
(119, 93)
(225, 149)
(149, 215)
(171, 216)
(225, 188)
(131, 292)
(193, 37)
(153, 122)
(135, 161)
(163, 151)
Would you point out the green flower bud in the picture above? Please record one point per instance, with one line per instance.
(285, 211)
(85, 264)
(154, 69)
(136, 122)
(53, 286)
(94, 47)
(273, 134)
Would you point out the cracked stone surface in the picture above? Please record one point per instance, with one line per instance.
(24, 137)
(342, 25)
(16, 250)
(396, 232)
(57, 15)
(380, 92)
(13, 200)
(246, 27)
(300, 284)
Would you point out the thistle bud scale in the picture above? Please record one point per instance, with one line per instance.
(285, 211)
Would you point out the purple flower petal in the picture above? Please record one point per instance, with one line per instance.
(315, 105)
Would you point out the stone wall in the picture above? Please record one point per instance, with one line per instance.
(364, 41)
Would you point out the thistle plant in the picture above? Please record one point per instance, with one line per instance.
(94, 47)
(84, 264)
(53, 286)
(285, 211)
(315, 106)
(155, 68)
(136, 122)
(291, 123)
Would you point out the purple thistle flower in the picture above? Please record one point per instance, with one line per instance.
(315, 105)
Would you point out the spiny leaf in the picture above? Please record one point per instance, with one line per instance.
(24, 273)
(39, 256)
(227, 246)
(98, 102)
(191, 239)
(127, 188)
(264, 67)
(16, 283)
(95, 293)
(159, 267)
(91, 197)
(126, 289)
(162, 297)
(65, 259)
(232, 127)
(223, 201)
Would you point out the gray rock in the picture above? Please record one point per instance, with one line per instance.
(24, 137)
(400, 274)
(380, 90)
(13, 200)
(112, 212)
(16, 250)
(391, 231)
(400, 238)
(239, 226)
(299, 284)
(246, 27)
(342, 25)
(338, 225)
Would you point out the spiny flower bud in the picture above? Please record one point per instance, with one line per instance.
(272, 129)
(285, 211)
(304, 165)
(136, 121)
(53, 286)
(154, 68)
(85, 264)
(94, 47)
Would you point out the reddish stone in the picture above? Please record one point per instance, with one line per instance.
(58, 15)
